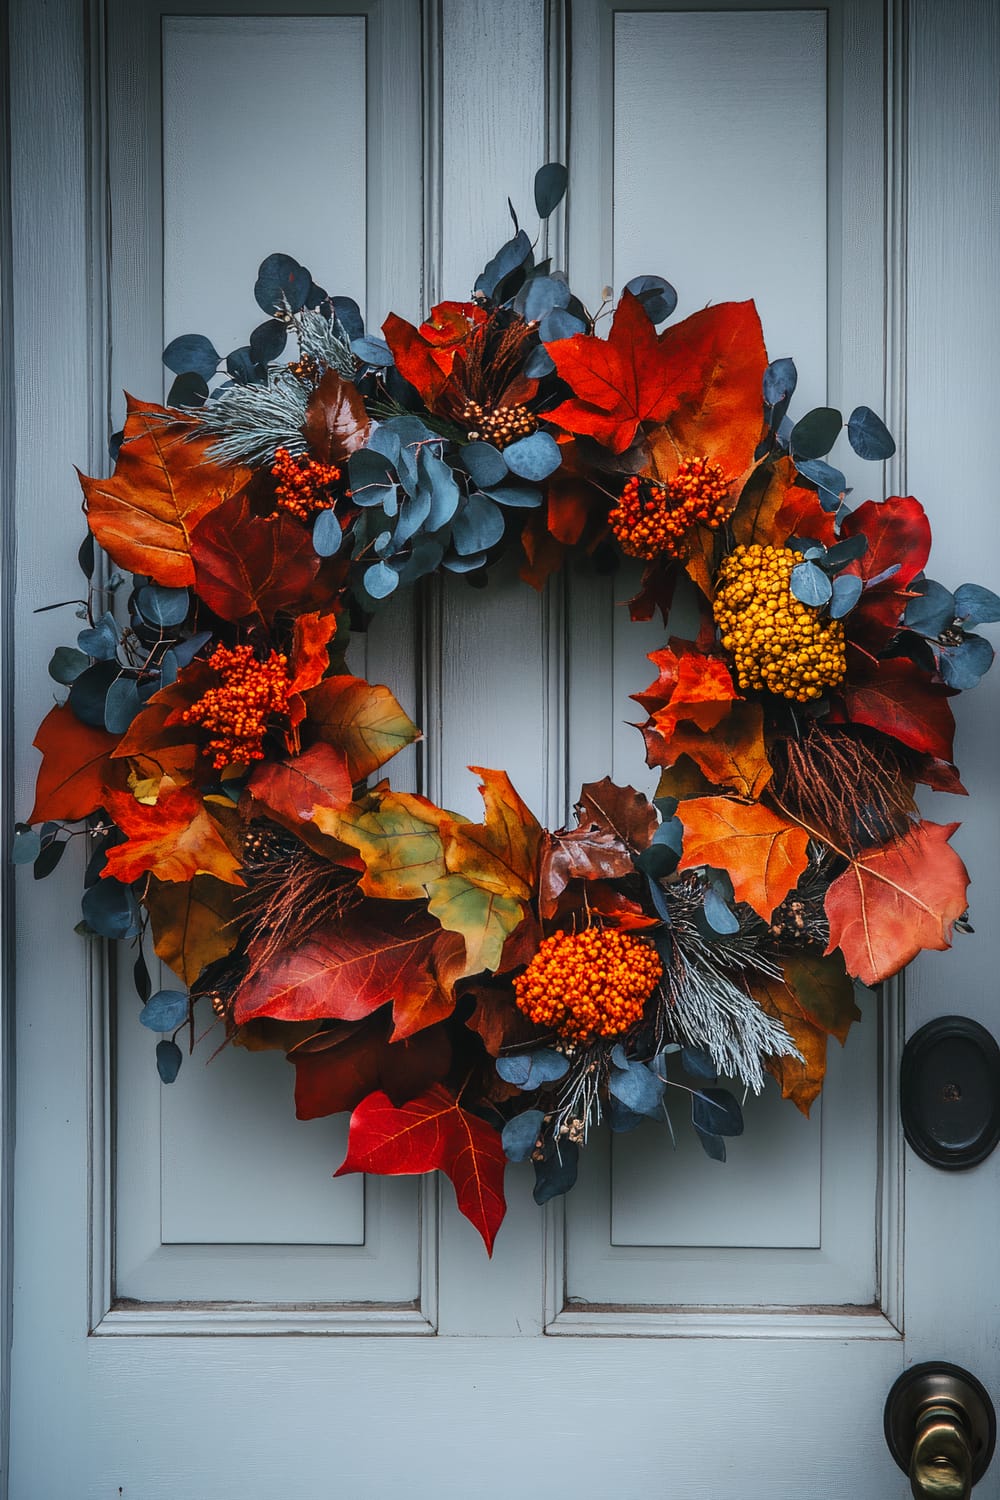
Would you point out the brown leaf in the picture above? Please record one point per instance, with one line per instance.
(362, 719)
(498, 1021)
(247, 565)
(336, 424)
(163, 484)
(732, 756)
(193, 923)
(799, 1081)
(291, 790)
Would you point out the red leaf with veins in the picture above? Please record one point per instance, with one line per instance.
(898, 531)
(336, 1069)
(247, 565)
(899, 699)
(431, 1133)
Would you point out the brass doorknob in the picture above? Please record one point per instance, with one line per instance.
(941, 1429)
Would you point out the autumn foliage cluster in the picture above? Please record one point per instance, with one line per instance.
(482, 991)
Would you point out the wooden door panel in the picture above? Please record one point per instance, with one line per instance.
(263, 133)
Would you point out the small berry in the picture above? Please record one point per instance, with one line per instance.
(303, 485)
(775, 640)
(652, 518)
(236, 714)
(588, 984)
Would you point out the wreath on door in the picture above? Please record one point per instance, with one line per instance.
(483, 992)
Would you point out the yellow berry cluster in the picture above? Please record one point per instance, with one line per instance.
(776, 642)
(501, 425)
(235, 714)
(303, 485)
(588, 984)
(651, 518)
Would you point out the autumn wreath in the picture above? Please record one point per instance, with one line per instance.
(476, 992)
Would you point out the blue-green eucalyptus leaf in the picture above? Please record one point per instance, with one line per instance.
(162, 606)
(168, 1060)
(560, 324)
(716, 1111)
(550, 186)
(520, 1135)
(638, 1088)
(516, 496)
(327, 533)
(101, 640)
(67, 663)
(510, 255)
(110, 909)
(780, 380)
(380, 580)
(815, 434)
(192, 353)
(975, 605)
(718, 915)
(847, 590)
(831, 484)
(372, 351)
(121, 705)
(165, 1011)
(557, 1173)
(478, 525)
(810, 585)
(484, 462)
(657, 296)
(539, 296)
(934, 611)
(529, 1070)
(962, 666)
(438, 480)
(26, 845)
(868, 435)
(534, 457)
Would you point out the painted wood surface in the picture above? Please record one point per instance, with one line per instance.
(739, 1396)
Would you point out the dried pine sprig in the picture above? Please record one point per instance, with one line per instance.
(324, 341)
(252, 422)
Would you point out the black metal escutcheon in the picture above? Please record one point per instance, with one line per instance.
(949, 1093)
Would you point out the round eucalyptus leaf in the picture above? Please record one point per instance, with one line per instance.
(534, 457)
(780, 380)
(101, 640)
(327, 533)
(718, 915)
(517, 496)
(477, 526)
(48, 857)
(372, 351)
(539, 363)
(934, 610)
(186, 651)
(531, 1069)
(815, 434)
(165, 1011)
(541, 295)
(851, 549)
(520, 1135)
(810, 585)
(281, 280)
(868, 435)
(192, 353)
(508, 258)
(620, 1118)
(380, 580)
(168, 1060)
(550, 186)
(243, 367)
(110, 909)
(717, 1112)
(830, 482)
(847, 590)
(638, 1088)
(713, 1145)
(25, 846)
(188, 390)
(438, 481)
(348, 315)
(268, 340)
(90, 689)
(121, 705)
(976, 605)
(66, 664)
(464, 564)
(963, 665)
(162, 606)
(560, 324)
(484, 462)
(557, 1173)
(657, 296)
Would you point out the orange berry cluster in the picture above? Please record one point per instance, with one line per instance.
(776, 641)
(303, 485)
(588, 984)
(235, 714)
(652, 518)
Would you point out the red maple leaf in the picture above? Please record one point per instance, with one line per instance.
(431, 1133)
(335, 1070)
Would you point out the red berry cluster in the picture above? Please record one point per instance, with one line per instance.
(303, 485)
(236, 713)
(588, 984)
(651, 518)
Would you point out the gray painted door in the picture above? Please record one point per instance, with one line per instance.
(200, 1309)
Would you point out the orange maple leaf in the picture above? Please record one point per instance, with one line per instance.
(174, 839)
(763, 853)
(733, 755)
(75, 770)
(310, 659)
(501, 853)
(163, 484)
(897, 900)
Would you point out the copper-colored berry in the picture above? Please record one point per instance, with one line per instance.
(303, 486)
(237, 713)
(652, 519)
(589, 984)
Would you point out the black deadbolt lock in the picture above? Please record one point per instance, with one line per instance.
(949, 1092)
